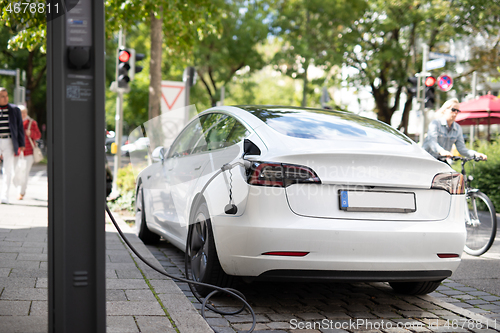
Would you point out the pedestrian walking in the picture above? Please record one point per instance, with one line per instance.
(31, 134)
(11, 140)
(444, 132)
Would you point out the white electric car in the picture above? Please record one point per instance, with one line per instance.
(276, 193)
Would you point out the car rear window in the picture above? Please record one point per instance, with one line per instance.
(327, 125)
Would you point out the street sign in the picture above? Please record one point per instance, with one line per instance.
(445, 56)
(9, 72)
(445, 82)
(436, 63)
(172, 95)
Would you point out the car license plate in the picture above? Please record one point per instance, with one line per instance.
(377, 201)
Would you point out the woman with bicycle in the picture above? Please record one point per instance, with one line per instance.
(480, 214)
(444, 132)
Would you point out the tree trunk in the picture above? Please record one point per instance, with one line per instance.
(304, 91)
(155, 66)
(406, 115)
(32, 84)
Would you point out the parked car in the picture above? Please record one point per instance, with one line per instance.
(110, 139)
(305, 194)
(141, 144)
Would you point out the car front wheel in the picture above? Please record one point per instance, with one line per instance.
(201, 255)
(146, 235)
(415, 288)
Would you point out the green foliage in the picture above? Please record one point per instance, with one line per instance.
(486, 173)
(125, 203)
(218, 56)
(125, 180)
(312, 32)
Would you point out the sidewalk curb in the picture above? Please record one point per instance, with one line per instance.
(181, 311)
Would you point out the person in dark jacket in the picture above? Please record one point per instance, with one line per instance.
(11, 140)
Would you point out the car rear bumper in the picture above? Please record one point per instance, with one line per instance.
(359, 247)
(350, 276)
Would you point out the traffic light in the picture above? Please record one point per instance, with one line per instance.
(124, 59)
(135, 57)
(430, 92)
(412, 88)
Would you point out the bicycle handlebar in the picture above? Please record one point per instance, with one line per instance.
(460, 158)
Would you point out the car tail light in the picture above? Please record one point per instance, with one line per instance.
(280, 174)
(452, 183)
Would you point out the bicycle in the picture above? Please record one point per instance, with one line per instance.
(480, 215)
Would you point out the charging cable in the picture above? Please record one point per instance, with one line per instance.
(232, 292)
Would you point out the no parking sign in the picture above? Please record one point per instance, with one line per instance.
(445, 82)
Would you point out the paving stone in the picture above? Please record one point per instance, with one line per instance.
(119, 324)
(451, 292)
(149, 324)
(464, 297)
(126, 284)
(220, 322)
(6, 258)
(310, 316)
(476, 301)
(39, 308)
(19, 264)
(491, 307)
(407, 307)
(4, 272)
(14, 308)
(24, 294)
(479, 293)
(28, 273)
(387, 314)
(118, 308)
(490, 298)
(418, 314)
(466, 289)
(140, 295)
(277, 325)
(42, 282)
(29, 324)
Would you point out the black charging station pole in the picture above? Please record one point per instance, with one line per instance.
(76, 167)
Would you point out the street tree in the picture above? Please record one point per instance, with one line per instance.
(23, 46)
(388, 37)
(175, 23)
(312, 35)
(219, 56)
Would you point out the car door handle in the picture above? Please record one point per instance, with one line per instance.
(198, 168)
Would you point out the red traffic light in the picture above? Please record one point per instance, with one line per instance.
(123, 56)
(430, 81)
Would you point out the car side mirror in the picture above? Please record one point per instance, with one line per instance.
(158, 155)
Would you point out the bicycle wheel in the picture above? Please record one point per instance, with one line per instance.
(481, 224)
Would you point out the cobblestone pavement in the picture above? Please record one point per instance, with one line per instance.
(342, 307)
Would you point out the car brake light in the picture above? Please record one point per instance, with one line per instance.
(280, 174)
(452, 183)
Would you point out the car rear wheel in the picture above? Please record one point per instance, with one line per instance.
(415, 288)
(202, 262)
(146, 235)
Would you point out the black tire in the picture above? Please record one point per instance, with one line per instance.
(146, 235)
(481, 224)
(415, 288)
(202, 262)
